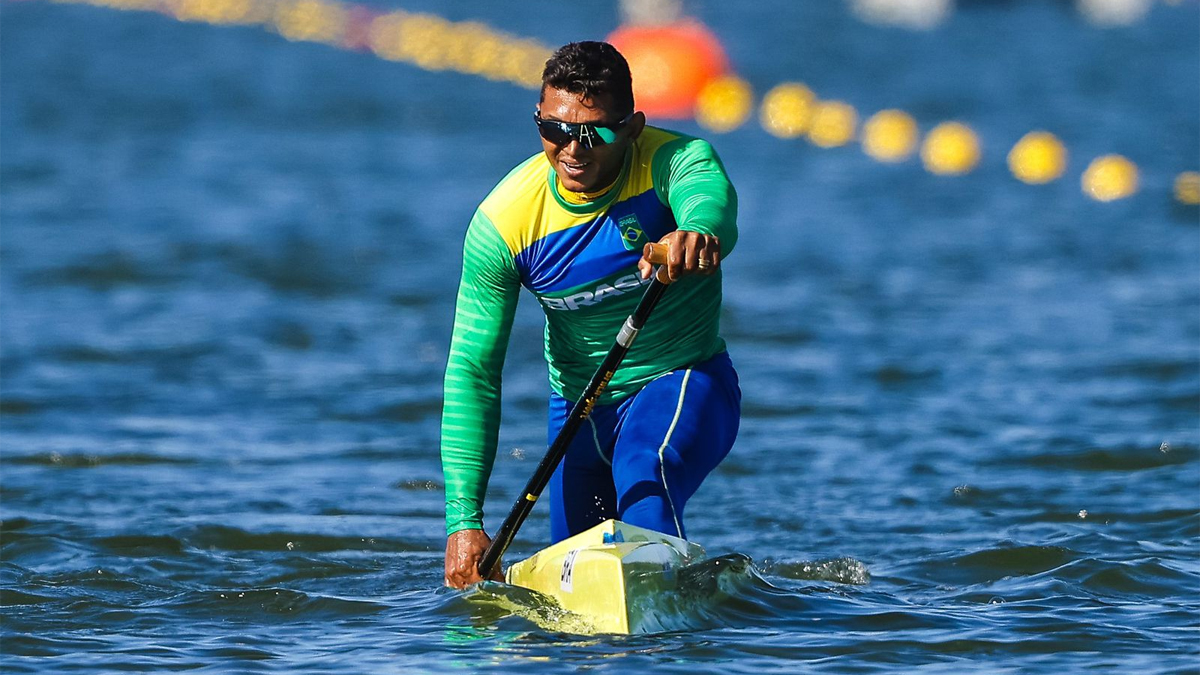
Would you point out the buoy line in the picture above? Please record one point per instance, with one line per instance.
(704, 89)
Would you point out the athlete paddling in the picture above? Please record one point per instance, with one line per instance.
(571, 225)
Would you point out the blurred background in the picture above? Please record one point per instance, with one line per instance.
(965, 308)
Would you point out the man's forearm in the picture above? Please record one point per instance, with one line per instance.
(470, 427)
(487, 299)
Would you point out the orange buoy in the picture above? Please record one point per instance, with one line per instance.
(670, 63)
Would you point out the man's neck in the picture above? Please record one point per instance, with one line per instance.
(581, 197)
(587, 197)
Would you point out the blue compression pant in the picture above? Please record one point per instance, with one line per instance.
(641, 459)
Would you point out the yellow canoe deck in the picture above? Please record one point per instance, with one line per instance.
(604, 574)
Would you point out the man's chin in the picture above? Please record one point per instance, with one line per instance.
(574, 184)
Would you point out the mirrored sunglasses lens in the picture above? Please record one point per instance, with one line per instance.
(561, 133)
(605, 135)
(555, 133)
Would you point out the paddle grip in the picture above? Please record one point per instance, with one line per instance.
(658, 253)
(658, 256)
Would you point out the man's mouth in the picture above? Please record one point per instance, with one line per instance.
(575, 169)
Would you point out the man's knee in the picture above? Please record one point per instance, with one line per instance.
(637, 492)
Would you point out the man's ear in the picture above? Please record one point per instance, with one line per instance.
(636, 125)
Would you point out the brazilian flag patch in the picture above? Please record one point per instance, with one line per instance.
(631, 232)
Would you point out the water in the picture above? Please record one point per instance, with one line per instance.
(227, 274)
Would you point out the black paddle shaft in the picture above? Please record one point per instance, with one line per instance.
(579, 414)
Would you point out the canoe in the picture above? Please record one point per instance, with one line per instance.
(609, 575)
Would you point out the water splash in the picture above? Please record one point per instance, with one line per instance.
(490, 601)
(718, 592)
(839, 570)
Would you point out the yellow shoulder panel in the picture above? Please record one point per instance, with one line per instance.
(522, 208)
(640, 177)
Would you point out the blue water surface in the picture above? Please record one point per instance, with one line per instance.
(228, 262)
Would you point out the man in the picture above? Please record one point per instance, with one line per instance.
(571, 224)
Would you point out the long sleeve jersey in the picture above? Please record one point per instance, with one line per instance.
(578, 256)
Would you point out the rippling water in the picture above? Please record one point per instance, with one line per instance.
(227, 275)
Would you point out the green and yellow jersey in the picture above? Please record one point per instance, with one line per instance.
(578, 255)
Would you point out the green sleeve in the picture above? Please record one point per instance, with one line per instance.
(483, 317)
(690, 178)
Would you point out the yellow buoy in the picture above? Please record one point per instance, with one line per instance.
(1110, 177)
(1039, 157)
(218, 12)
(787, 110)
(1187, 188)
(950, 148)
(890, 135)
(833, 124)
(724, 104)
(311, 20)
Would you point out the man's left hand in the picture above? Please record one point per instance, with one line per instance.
(689, 253)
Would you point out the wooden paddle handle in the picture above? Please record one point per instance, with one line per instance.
(658, 253)
(658, 256)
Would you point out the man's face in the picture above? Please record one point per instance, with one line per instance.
(579, 168)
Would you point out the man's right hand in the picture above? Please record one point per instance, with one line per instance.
(464, 550)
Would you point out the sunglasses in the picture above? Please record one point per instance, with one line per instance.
(588, 135)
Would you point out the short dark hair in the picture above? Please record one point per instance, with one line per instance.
(591, 69)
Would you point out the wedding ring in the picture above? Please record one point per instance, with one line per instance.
(704, 264)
